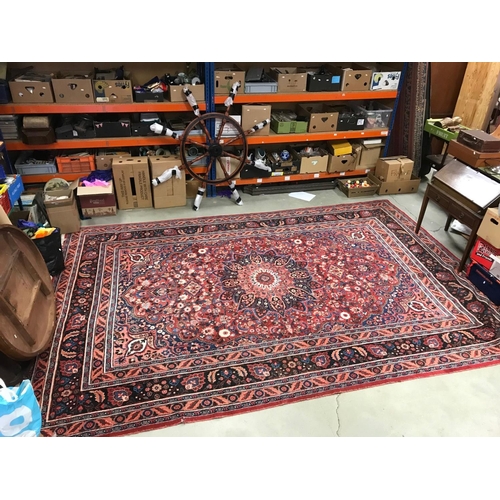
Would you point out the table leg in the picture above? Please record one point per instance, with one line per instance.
(468, 248)
(425, 202)
(448, 222)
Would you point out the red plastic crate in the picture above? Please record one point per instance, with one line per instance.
(75, 164)
(482, 251)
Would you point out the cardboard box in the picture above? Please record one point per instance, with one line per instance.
(320, 118)
(313, 164)
(348, 119)
(483, 253)
(133, 182)
(489, 230)
(283, 167)
(176, 94)
(31, 92)
(192, 186)
(97, 201)
(329, 81)
(113, 91)
(171, 193)
(225, 79)
(289, 79)
(385, 78)
(230, 164)
(280, 126)
(394, 168)
(104, 161)
(356, 192)
(252, 114)
(396, 187)
(370, 154)
(229, 130)
(341, 163)
(63, 213)
(114, 126)
(355, 78)
(73, 90)
(340, 148)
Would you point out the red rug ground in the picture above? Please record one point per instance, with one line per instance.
(168, 322)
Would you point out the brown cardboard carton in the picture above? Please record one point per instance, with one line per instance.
(341, 163)
(355, 78)
(394, 168)
(252, 114)
(192, 186)
(396, 187)
(103, 161)
(73, 90)
(97, 201)
(4, 218)
(31, 92)
(63, 213)
(489, 229)
(313, 164)
(113, 91)
(320, 119)
(226, 77)
(230, 164)
(369, 154)
(171, 193)
(289, 79)
(133, 182)
(176, 94)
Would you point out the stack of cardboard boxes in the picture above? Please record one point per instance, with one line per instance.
(484, 269)
(393, 175)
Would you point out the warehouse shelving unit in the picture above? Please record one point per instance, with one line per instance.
(211, 100)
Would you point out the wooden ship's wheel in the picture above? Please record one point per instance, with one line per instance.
(218, 157)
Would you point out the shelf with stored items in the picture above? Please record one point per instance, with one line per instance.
(309, 97)
(302, 177)
(208, 105)
(330, 102)
(135, 107)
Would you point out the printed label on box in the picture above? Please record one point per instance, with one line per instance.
(336, 79)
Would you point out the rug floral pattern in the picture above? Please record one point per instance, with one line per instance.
(167, 322)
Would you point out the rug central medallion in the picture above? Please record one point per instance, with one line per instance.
(267, 282)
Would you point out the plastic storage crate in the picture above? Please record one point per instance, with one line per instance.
(39, 162)
(376, 115)
(268, 86)
(75, 164)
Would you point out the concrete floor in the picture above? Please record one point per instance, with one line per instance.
(456, 405)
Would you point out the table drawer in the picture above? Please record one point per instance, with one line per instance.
(457, 211)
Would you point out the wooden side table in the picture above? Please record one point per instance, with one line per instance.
(464, 194)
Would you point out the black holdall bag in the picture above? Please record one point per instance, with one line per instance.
(51, 249)
(51, 246)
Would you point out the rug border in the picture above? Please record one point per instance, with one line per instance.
(370, 205)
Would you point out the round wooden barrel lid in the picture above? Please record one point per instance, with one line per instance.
(27, 300)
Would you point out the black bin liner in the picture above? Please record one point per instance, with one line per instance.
(51, 249)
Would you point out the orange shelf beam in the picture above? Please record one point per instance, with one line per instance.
(273, 138)
(111, 142)
(73, 176)
(136, 107)
(310, 97)
(302, 177)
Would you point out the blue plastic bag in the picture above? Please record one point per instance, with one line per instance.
(20, 414)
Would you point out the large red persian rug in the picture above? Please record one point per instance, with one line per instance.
(167, 322)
